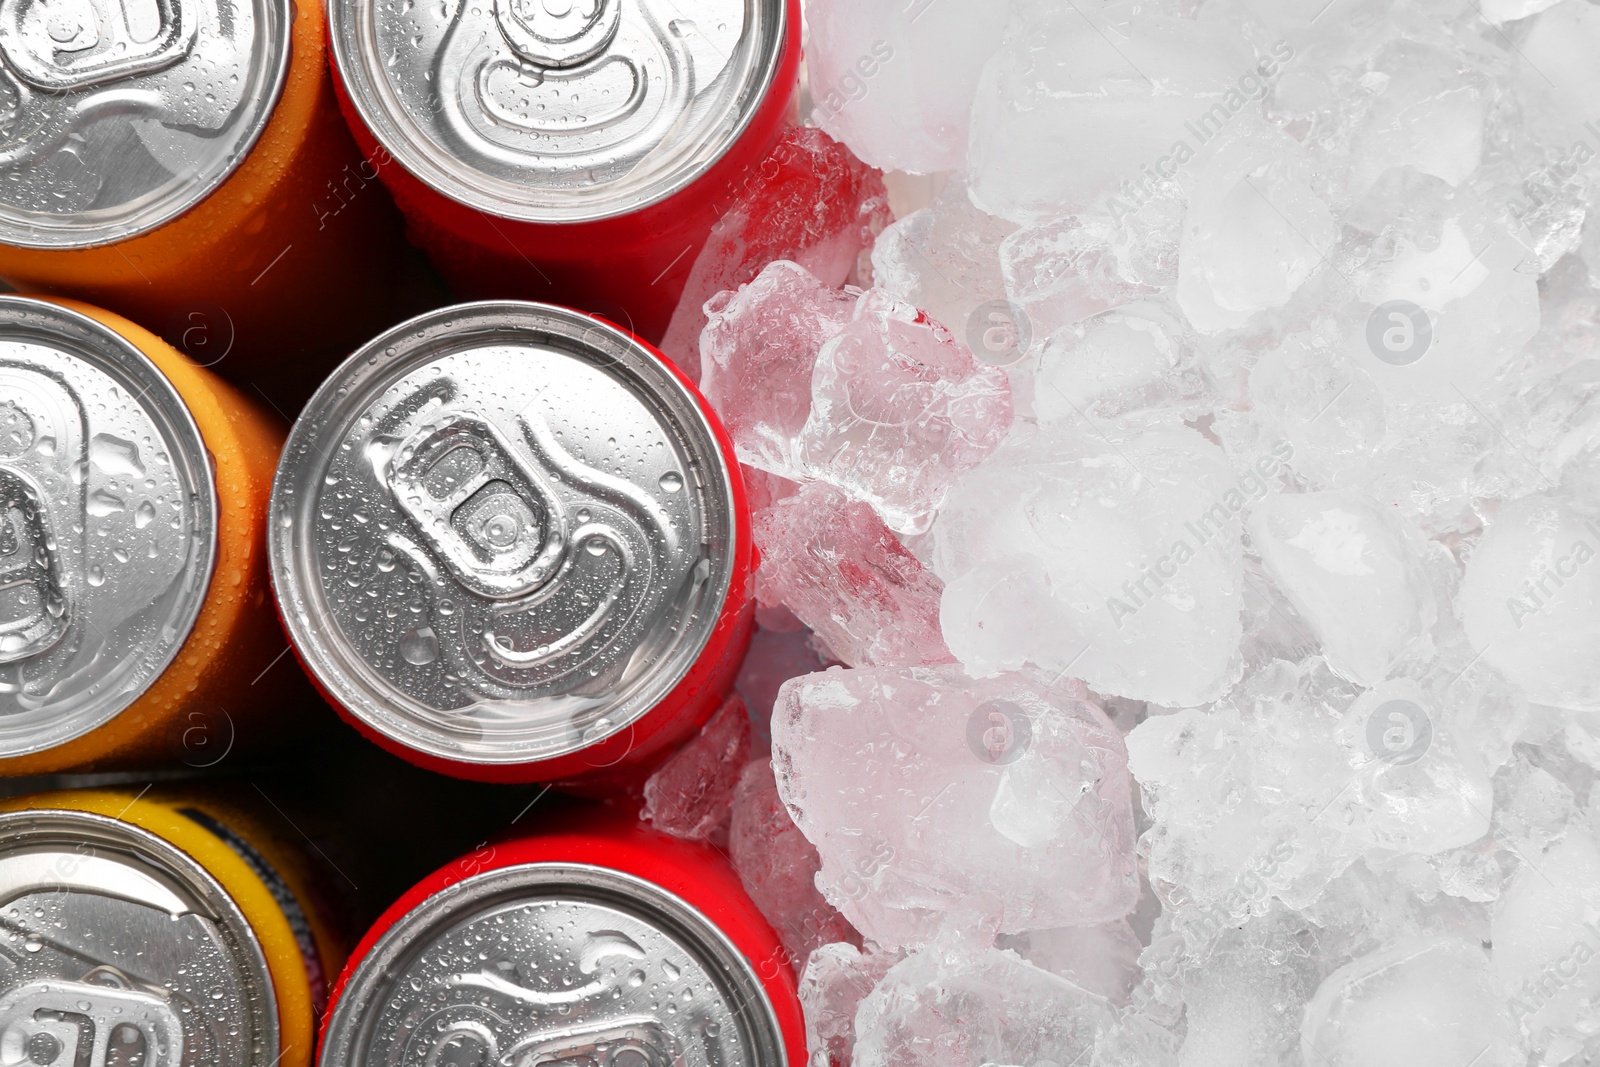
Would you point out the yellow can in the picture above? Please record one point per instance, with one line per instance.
(157, 929)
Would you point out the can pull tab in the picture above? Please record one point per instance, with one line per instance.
(74, 1024)
(69, 44)
(34, 612)
(631, 1042)
(558, 33)
(486, 513)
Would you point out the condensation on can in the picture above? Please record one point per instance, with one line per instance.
(596, 941)
(90, 880)
(135, 607)
(184, 163)
(578, 158)
(510, 542)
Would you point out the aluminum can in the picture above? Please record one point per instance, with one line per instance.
(183, 162)
(597, 943)
(156, 932)
(510, 542)
(572, 153)
(135, 607)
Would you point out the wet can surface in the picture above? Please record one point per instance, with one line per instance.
(575, 153)
(597, 943)
(183, 163)
(510, 543)
(92, 882)
(134, 601)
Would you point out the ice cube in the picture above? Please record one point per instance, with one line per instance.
(1255, 230)
(1547, 941)
(918, 784)
(1272, 793)
(1111, 553)
(1440, 302)
(1102, 959)
(1558, 77)
(945, 259)
(1136, 358)
(690, 794)
(1426, 1002)
(1350, 573)
(836, 980)
(1067, 268)
(833, 562)
(1321, 403)
(1243, 1001)
(1511, 10)
(1073, 109)
(810, 201)
(1530, 600)
(961, 1010)
(899, 410)
(759, 350)
(895, 80)
(1426, 115)
(778, 867)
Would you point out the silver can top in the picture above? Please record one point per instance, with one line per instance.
(557, 110)
(119, 115)
(108, 524)
(501, 532)
(118, 948)
(558, 965)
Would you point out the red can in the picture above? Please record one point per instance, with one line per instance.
(577, 152)
(511, 543)
(598, 943)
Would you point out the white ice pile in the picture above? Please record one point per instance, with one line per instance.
(1182, 542)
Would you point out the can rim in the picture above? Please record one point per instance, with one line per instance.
(374, 103)
(348, 1029)
(127, 365)
(342, 398)
(73, 825)
(282, 15)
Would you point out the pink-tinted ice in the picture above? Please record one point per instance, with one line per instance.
(899, 410)
(779, 868)
(759, 349)
(843, 573)
(812, 201)
(690, 794)
(925, 790)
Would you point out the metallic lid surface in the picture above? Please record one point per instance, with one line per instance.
(119, 115)
(108, 524)
(557, 110)
(500, 533)
(553, 964)
(118, 949)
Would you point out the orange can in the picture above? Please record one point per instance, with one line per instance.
(136, 620)
(184, 164)
(160, 929)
